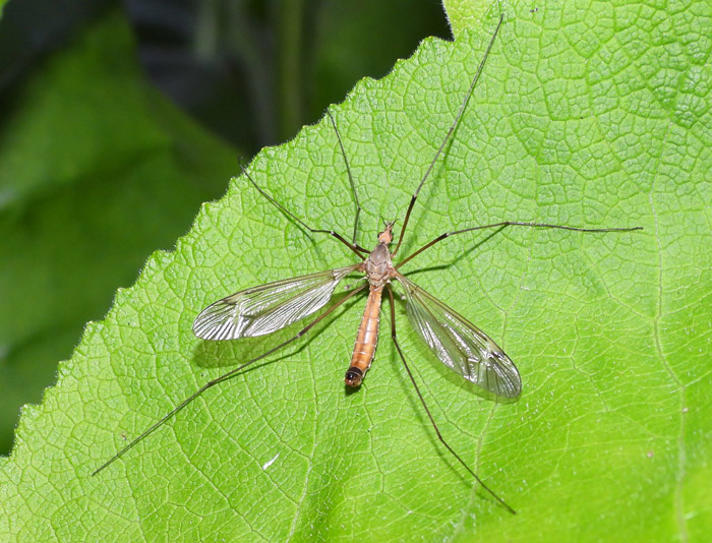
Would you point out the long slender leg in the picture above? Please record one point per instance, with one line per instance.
(449, 133)
(504, 224)
(355, 248)
(427, 411)
(225, 377)
(351, 179)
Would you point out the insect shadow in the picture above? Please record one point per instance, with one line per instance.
(468, 352)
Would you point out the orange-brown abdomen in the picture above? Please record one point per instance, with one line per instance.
(365, 346)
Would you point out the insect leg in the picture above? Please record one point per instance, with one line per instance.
(449, 133)
(427, 411)
(351, 179)
(225, 377)
(354, 247)
(504, 224)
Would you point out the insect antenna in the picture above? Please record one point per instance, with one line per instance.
(427, 411)
(360, 251)
(504, 224)
(225, 377)
(449, 133)
(351, 179)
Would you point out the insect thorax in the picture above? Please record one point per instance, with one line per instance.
(378, 266)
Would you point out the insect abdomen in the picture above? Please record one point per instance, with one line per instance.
(365, 346)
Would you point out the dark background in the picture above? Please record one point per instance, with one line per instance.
(249, 72)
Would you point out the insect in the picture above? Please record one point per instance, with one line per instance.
(455, 341)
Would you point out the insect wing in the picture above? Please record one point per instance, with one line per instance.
(267, 308)
(459, 344)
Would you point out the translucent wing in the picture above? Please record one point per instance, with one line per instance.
(265, 309)
(459, 344)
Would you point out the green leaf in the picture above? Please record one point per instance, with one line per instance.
(593, 117)
(97, 170)
(463, 14)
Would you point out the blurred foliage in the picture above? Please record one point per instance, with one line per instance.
(96, 171)
(255, 71)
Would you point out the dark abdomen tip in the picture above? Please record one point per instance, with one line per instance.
(354, 376)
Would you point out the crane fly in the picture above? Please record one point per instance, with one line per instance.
(455, 341)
